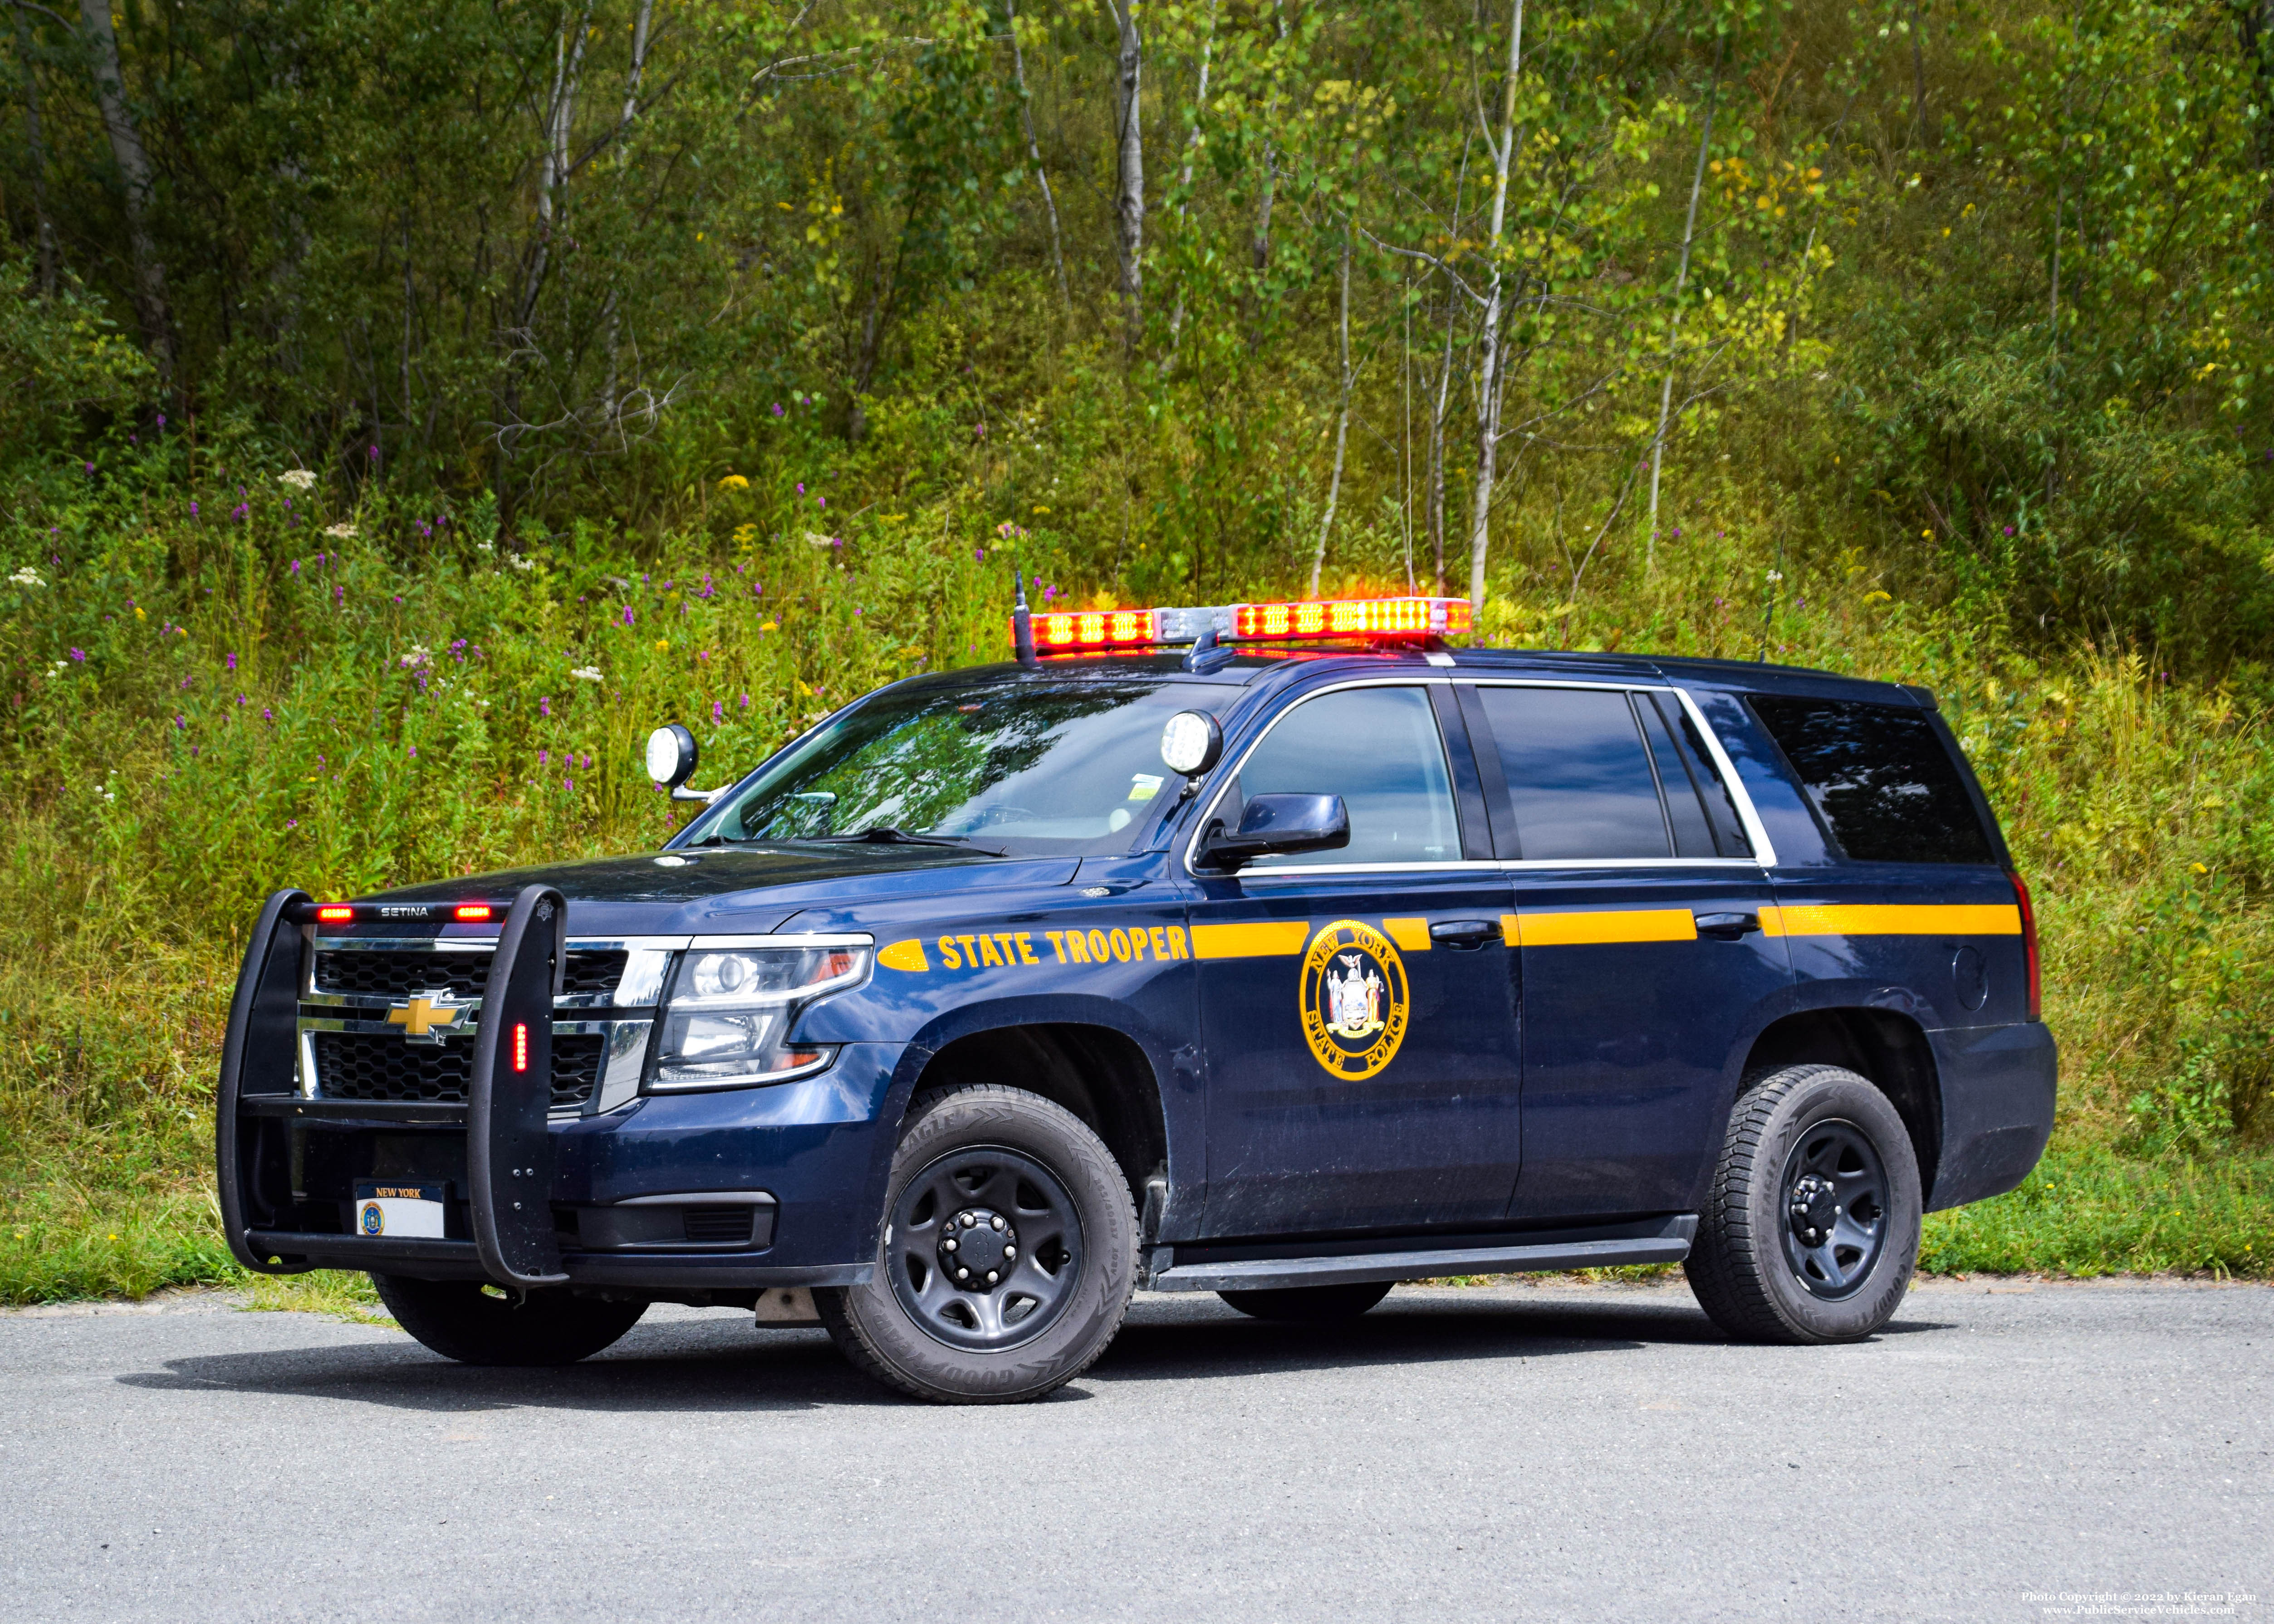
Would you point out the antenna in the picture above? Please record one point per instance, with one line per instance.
(1022, 620)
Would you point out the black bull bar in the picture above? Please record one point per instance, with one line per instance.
(508, 1152)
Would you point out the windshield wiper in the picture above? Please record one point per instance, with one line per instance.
(886, 835)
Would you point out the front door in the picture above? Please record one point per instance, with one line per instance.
(1639, 920)
(1357, 1004)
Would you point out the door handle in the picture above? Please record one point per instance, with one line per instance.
(1463, 934)
(1729, 927)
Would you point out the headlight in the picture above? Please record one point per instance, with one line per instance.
(730, 1010)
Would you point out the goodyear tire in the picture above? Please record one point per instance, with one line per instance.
(461, 1320)
(1811, 1229)
(1308, 1304)
(1008, 1256)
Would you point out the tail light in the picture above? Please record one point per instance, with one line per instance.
(2029, 943)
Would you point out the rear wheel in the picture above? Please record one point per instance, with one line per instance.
(1309, 1304)
(474, 1324)
(1812, 1230)
(1008, 1255)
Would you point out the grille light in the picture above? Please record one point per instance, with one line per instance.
(334, 913)
(1383, 619)
(472, 914)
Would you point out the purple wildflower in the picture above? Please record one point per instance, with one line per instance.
(746, 702)
(543, 759)
(181, 723)
(717, 712)
(545, 705)
(79, 655)
(778, 410)
(232, 662)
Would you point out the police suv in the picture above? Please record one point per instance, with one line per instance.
(1271, 950)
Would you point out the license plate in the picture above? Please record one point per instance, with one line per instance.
(406, 1211)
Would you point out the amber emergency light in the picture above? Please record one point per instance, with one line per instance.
(1376, 619)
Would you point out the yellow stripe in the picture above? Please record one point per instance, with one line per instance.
(1273, 939)
(1995, 919)
(903, 956)
(1579, 929)
(1410, 934)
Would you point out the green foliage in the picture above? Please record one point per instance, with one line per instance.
(746, 321)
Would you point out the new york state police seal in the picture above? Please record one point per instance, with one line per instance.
(1354, 999)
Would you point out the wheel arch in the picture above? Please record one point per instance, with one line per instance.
(1071, 1054)
(1886, 1046)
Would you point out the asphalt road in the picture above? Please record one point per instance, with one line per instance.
(1522, 1453)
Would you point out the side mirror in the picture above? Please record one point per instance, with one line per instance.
(1277, 826)
(672, 755)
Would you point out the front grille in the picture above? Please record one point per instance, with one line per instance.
(393, 974)
(719, 1225)
(358, 1065)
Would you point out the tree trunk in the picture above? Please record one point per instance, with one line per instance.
(610, 408)
(1490, 371)
(1440, 410)
(1674, 321)
(1184, 178)
(36, 142)
(151, 308)
(1342, 423)
(1034, 153)
(1129, 170)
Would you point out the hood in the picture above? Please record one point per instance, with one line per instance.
(748, 889)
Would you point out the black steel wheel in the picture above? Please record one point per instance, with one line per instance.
(1810, 1229)
(1836, 1205)
(1008, 1256)
(478, 1324)
(985, 1248)
(1308, 1304)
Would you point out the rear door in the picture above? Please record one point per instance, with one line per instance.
(1638, 925)
(1357, 1004)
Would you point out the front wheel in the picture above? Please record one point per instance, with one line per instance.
(475, 1324)
(1812, 1230)
(1008, 1256)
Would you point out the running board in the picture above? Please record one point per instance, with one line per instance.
(1670, 1245)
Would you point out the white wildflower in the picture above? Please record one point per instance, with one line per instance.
(298, 479)
(588, 674)
(1776, 574)
(519, 562)
(419, 654)
(27, 576)
(487, 546)
(342, 532)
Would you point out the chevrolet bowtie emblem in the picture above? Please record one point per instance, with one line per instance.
(420, 1015)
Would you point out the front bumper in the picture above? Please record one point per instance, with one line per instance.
(538, 1196)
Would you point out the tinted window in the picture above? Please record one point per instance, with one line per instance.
(1578, 773)
(1880, 778)
(1698, 803)
(1379, 749)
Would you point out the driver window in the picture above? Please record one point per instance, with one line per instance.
(1379, 749)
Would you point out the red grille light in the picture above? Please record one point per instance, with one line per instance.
(521, 1046)
(472, 913)
(1382, 618)
(334, 913)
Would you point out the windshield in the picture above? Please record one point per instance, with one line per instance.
(1022, 768)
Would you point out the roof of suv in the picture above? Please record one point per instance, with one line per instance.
(1248, 663)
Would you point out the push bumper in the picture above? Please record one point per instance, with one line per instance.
(531, 1194)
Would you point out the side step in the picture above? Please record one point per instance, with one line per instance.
(1671, 1245)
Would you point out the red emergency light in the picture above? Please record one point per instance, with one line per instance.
(334, 913)
(1379, 618)
(471, 913)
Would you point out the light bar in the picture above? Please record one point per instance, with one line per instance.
(1378, 618)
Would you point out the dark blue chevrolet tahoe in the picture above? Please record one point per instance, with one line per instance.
(1305, 958)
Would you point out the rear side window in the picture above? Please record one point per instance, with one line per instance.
(1686, 769)
(1578, 773)
(1881, 779)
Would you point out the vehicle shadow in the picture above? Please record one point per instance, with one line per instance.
(705, 1367)
(720, 1366)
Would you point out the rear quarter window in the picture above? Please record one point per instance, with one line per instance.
(1881, 779)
